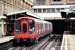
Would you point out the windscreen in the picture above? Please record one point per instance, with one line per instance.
(31, 26)
(18, 27)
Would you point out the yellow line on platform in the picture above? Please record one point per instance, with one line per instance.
(65, 42)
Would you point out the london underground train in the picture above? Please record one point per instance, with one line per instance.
(30, 30)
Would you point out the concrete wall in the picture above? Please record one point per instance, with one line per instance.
(1, 7)
(1, 33)
(2, 27)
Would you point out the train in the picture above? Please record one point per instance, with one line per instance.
(29, 29)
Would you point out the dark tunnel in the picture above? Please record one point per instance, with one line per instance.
(59, 26)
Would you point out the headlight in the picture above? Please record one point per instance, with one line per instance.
(18, 33)
(31, 32)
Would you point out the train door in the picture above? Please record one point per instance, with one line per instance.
(24, 26)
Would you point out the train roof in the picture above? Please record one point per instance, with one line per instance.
(37, 20)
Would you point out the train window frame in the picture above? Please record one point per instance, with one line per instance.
(37, 28)
(49, 26)
(40, 26)
(32, 28)
(45, 26)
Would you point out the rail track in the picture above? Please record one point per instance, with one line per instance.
(27, 47)
(6, 45)
(18, 48)
(48, 43)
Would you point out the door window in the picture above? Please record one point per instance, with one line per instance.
(24, 28)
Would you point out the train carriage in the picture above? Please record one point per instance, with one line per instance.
(30, 29)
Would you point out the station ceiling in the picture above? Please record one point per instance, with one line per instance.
(67, 14)
(23, 13)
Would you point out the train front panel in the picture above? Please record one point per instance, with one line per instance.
(25, 29)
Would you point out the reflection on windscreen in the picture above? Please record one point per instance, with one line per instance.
(31, 26)
(18, 25)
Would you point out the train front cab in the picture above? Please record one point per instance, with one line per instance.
(25, 30)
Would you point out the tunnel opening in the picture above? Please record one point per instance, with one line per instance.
(59, 26)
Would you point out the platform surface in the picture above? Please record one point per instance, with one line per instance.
(6, 39)
(68, 42)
